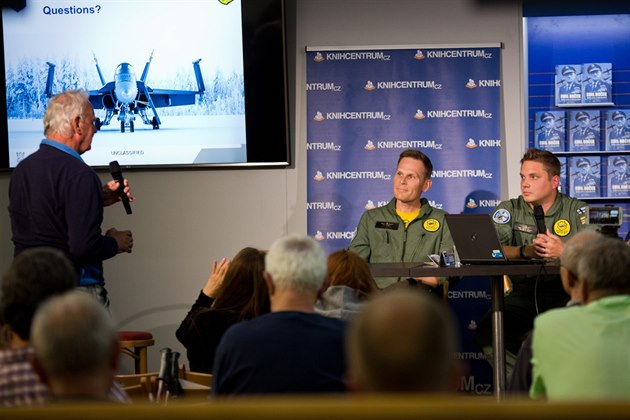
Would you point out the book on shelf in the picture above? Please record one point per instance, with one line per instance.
(584, 131)
(549, 131)
(585, 173)
(618, 178)
(617, 130)
(596, 83)
(568, 84)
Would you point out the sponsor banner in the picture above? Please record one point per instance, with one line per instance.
(470, 299)
(366, 105)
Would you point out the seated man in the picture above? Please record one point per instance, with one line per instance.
(407, 229)
(581, 353)
(517, 228)
(35, 275)
(76, 347)
(292, 349)
(403, 341)
(521, 379)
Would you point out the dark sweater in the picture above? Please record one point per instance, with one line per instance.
(201, 331)
(56, 200)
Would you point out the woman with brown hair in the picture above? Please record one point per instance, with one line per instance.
(235, 291)
(348, 284)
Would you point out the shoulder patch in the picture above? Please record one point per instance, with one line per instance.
(501, 216)
(581, 210)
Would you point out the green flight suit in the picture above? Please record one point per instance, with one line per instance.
(533, 294)
(381, 237)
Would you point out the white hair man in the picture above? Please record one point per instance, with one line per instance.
(581, 353)
(521, 379)
(56, 200)
(292, 349)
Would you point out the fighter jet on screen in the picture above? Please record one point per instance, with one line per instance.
(126, 96)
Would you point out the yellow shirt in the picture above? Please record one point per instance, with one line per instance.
(407, 217)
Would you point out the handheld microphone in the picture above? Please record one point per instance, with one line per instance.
(539, 214)
(114, 169)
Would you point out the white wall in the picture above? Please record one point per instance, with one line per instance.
(183, 220)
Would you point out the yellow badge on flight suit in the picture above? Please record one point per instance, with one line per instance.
(562, 227)
(431, 225)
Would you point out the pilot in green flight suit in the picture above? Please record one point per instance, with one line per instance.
(407, 229)
(516, 226)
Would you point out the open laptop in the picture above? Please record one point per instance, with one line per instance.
(476, 240)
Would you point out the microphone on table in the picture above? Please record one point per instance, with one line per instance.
(114, 169)
(539, 214)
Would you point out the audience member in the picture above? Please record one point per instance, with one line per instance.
(521, 379)
(292, 349)
(348, 284)
(56, 199)
(235, 291)
(403, 341)
(35, 275)
(76, 347)
(581, 353)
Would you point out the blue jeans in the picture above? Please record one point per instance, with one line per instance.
(98, 292)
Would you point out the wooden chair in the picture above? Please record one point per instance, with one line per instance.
(200, 378)
(195, 384)
(141, 387)
(135, 344)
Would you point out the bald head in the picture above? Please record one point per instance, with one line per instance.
(574, 246)
(403, 341)
(603, 269)
(570, 258)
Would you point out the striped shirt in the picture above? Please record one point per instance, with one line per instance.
(20, 385)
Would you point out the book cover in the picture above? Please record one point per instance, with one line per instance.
(597, 83)
(618, 178)
(584, 131)
(617, 130)
(568, 84)
(549, 131)
(584, 176)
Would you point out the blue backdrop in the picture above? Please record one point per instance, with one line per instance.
(367, 104)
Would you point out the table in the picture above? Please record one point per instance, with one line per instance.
(496, 272)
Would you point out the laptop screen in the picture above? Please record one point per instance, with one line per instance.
(475, 238)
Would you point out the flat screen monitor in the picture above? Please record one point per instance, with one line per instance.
(174, 83)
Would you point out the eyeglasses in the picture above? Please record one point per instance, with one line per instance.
(95, 122)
